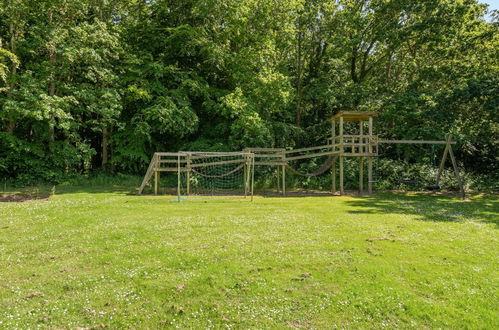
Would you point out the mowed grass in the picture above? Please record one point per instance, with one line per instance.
(105, 258)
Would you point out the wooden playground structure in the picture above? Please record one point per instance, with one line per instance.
(363, 145)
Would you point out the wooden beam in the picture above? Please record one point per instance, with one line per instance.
(353, 144)
(347, 154)
(326, 153)
(149, 173)
(264, 149)
(195, 156)
(171, 161)
(167, 154)
(413, 142)
(270, 163)
(222, 162)
(276, 155)
(293, 151)
(171, 169)
(444, 158)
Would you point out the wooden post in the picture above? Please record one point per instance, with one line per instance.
(149, 173)
(444, 158)
(333, 149)
(156, 174)
(159, 182)
(278, 179)
(245, 174)
(456, 171)
(156, 178)
(333, 132)
(448, 150)
(361, 159)
(333, 171)
(361, 175)
(361, 139)
(370, 158)
(188, 174)
(245, 177)
(252, 168)
(341, 156)
(283, 173)
(178, 177)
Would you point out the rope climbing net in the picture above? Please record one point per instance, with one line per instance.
(214, 174)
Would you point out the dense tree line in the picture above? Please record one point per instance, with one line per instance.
(88, 84)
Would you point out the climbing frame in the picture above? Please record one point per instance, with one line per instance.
(340, 145)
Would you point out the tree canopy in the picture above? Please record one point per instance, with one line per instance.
(88, 84)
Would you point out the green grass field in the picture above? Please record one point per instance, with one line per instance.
(93, 258)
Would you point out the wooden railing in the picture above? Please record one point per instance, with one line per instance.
(346, 145)
(355, 145)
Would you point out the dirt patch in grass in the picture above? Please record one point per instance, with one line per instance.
(22, 197)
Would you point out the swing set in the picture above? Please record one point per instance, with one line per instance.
(447, 152)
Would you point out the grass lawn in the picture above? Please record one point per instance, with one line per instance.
(91, 258)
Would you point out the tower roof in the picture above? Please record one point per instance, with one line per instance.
(354, 115)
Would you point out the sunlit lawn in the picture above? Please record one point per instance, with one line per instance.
(105, 258)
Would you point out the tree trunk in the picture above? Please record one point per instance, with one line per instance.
(353, 65)
(389, 68)
(104, 147)
(299, 78)
(52, 119)
(11, 123)
(53, 60)
(13, 34)
(10, 127)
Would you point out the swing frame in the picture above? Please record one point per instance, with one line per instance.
(366, 147)
(447, 151)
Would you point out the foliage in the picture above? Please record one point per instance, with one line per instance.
(92, 85)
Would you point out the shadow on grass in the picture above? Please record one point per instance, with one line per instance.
(442, 208)
(305, 193)
(67, 189)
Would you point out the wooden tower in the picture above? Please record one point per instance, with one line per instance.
(355, 144)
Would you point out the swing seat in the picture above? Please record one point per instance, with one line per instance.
(433, 188)
(409, 181)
